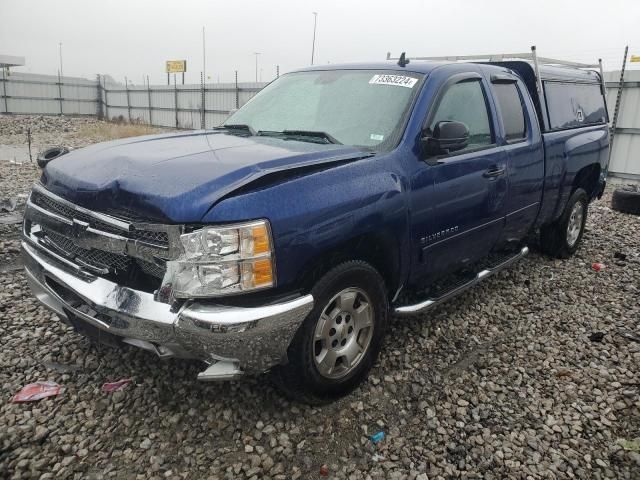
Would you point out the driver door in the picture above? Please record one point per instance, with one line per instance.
(470, 185)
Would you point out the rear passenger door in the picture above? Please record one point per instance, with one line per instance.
(520, 136)
(469, 185)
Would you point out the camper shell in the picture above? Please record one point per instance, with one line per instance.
(581, 89)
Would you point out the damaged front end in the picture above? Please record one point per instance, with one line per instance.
(151, 285)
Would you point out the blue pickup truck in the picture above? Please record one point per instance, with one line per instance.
(338, 196)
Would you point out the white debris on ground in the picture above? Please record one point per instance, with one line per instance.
(533, 374)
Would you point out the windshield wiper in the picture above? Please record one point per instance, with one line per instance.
(324, 137)
(238, 127)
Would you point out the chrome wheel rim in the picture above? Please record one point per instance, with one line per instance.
(343, 333)
(575, 224)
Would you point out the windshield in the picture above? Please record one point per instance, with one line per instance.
(353, 107)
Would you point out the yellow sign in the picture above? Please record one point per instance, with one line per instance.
(635, 58)
(176, 66)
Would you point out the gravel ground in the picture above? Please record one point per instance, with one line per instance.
(503, 382)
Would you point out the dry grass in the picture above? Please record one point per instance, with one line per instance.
(102, 131)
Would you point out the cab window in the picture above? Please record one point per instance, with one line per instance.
(510, 103)
(465, 102)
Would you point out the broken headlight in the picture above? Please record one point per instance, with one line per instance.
(223, 260)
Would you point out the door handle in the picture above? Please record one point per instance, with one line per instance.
(493, 172)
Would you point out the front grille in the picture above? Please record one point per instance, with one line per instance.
(125, 252)
(151, 268)
(97, 258)
(157, 238)
(66, 211)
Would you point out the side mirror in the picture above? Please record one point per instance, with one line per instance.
(447, 136)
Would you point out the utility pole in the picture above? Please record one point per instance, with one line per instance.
(313, 45)
(614, 123)
(256, 54)
(204, 59)
(60, 55)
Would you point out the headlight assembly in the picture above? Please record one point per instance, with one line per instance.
(223, 260)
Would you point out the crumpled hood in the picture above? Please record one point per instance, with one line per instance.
(176, 177)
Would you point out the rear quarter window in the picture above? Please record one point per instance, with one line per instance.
(573, 105)
(511, 111)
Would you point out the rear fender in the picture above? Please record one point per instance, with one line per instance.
(568, 152)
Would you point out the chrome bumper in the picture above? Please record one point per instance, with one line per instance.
(233, 340)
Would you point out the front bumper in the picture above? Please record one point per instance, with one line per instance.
(232, 340)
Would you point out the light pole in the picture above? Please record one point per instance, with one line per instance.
(204, 59)
(256, 54)
(313, 45)
(60, 54)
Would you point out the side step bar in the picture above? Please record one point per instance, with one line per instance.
(408, 310)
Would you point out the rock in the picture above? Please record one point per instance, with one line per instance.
(40, 433)
(267, 464)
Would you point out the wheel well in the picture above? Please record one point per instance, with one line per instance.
(380, 252)
(587, 179)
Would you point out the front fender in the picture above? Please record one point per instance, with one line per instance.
(320, 211)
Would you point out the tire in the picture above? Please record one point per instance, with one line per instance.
(49, 154)
(626, 200)
(562, 238)
(352, 287)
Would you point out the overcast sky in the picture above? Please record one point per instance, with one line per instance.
(135, 37)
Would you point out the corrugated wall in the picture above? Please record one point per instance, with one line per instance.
(48, 94)
(156, 104)
(625, 152)
(25, 93)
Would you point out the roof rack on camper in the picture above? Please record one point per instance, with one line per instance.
(531, 56)
(551, 67)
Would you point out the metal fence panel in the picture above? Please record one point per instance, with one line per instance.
(625, 152)
(49, 94)
(220, 100)
(215, 119)
(163, 99)
(140, 115)
(155, 104)
(21, 88)
(76, 107)
(42, 106)
(117, 114)
(625, 160)
(80, 92)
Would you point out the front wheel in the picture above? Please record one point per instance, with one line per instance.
(339, 341)
(562, 238)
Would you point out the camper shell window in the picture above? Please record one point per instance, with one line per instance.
(572, 105)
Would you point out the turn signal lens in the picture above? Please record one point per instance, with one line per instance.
(262, 273)
(257, 274)
(261, 240)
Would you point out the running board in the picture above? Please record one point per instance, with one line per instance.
(407, 310)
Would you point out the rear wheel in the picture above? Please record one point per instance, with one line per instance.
(339, 340)
(562, 238)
